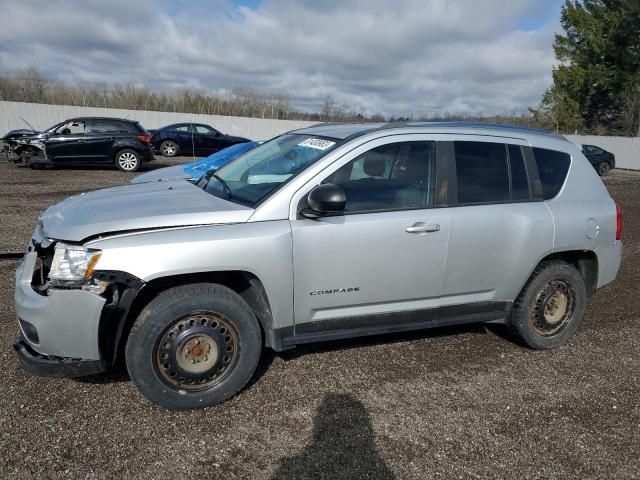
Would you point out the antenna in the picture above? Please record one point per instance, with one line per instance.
(193, 147)
(31, 126)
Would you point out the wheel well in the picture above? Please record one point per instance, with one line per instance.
(585, 261)
(245, 284)
(26, 148)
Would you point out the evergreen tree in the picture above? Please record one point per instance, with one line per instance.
(596, 85)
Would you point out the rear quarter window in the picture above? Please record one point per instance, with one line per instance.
(553, 167)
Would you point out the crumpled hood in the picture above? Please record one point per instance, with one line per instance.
(21, 132)
(138, 207)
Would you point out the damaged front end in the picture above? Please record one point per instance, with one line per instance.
(29, 150)
(71, 316)
(10, 142)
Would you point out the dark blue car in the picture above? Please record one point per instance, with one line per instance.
(191, 139)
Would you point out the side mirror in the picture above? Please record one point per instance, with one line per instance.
(325, 199)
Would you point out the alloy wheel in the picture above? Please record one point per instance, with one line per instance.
(128, 161)
(169, 149)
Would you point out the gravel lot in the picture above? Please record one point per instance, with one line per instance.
(448, 403)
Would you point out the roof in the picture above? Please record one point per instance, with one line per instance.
(345, 130)
(101, 118)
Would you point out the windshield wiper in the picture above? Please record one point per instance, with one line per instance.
(226, 188)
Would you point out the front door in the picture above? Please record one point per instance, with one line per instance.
(381, 264)
(66, 143)
(208, 140)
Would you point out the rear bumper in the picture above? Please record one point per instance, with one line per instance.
(50, 366)
(147, 155)
(609, 260)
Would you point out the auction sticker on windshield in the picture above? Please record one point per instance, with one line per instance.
(317, 143)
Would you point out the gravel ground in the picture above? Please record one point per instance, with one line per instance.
(447, 403)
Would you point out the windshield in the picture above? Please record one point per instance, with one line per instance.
(256, 174)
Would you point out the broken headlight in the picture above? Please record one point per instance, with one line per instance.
(72, 266)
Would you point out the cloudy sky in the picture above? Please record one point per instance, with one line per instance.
(397, 57)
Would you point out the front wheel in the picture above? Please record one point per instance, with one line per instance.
(128, 160)
(193, 346)
(550, 307)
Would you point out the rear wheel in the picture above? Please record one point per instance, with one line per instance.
(604, 168)
(550, 307)
(169, 148)
(128, 160)
(193, 346)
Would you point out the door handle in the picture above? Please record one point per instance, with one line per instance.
(80, 141)
(421, 227)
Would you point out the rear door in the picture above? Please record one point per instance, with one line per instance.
(500, 227)
(381, 264)
(100, 137)
(66, 144)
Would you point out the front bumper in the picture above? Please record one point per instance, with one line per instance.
(50, 366)
(66, 321)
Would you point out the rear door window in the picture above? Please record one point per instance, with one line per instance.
(553, 167)
(110, 127)
(482, 172)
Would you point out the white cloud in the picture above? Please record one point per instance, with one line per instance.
(397, 57)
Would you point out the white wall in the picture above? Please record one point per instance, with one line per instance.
(43, 116)
(626, 150)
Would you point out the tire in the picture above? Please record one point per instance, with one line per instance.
(550, 307)
(128, 160)
(604, 168)
(169, 148)
(161, 351)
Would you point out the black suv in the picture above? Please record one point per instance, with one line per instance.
(87, 140)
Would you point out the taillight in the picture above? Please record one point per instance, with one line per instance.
(618, 221)
(144, 138)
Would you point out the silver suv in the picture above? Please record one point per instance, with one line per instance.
(328, 232)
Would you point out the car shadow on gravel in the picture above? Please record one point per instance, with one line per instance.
(343, 445)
